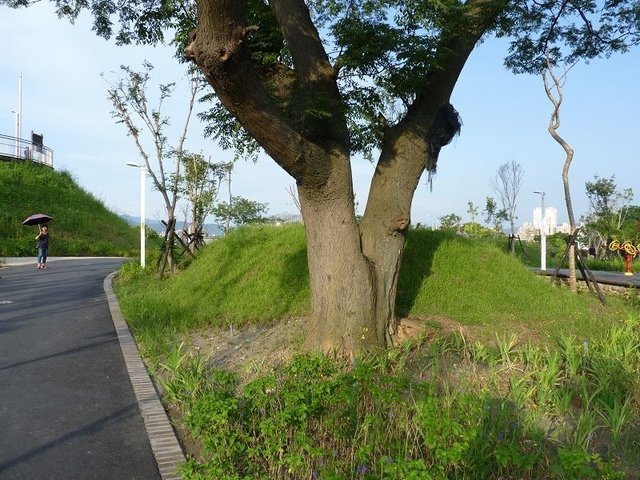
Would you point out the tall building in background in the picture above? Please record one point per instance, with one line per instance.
(529, 230)
(551, 223)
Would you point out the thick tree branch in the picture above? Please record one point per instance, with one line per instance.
(452, 54)
(408, 141)
(314, 72)
(218, 47)
(312, 64)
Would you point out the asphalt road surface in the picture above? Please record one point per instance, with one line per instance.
(609, 278)
(67, 408)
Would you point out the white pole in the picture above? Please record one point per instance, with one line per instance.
(143, 172)
(16, 133)
(142, 220)
(19, 126)
(543, 234)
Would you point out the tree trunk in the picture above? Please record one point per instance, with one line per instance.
(166, 257)
(343, 297)
(384, 224)
(573, 283)
(512, 238)
(554, 125)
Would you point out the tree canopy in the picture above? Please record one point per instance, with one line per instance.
(380, 49)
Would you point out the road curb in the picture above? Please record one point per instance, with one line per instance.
(164, 443)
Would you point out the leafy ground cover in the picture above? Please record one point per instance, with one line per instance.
(498, 373)
(82, 224)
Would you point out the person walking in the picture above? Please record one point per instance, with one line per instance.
(43, 246)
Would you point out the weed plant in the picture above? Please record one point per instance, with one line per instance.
(423, 410)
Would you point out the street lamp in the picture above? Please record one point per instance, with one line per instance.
(543, 234)
(143, 171)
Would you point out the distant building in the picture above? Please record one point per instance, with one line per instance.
(527, 232)
(530, 230)
(551, 222)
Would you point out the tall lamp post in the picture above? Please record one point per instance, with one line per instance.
(543, 234)
(142, 212)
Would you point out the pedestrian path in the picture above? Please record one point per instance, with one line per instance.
(76, 400)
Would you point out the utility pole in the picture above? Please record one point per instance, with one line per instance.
(18, 113)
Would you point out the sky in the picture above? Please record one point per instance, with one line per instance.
(505, 118)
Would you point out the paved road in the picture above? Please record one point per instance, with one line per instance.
(67, 408)
(609, 278)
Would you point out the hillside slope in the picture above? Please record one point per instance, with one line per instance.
(82, 224)
(258, 275)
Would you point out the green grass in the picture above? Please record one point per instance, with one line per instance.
(259, 275)
(475, 283)
(82, 225)
(254, 275)
(431, 411)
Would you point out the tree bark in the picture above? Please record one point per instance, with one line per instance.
(554, 124)
(404, 156)
(342, 292)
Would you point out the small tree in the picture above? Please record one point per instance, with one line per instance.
(200, 185)
(506, 185)
(553, 87)
(472, 210)
(609, 208)
(240, 211)
(494, 217)
(131, 105)
(450, 222)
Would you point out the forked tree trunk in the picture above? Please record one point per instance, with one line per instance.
(353, 269)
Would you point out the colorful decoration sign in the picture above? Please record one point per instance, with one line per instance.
(630, 251)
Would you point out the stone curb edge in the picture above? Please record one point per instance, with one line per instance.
(164, 443)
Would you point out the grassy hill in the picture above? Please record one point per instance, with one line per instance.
(258, 275)
(82, 225)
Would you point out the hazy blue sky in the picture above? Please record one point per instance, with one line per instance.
(505, 118)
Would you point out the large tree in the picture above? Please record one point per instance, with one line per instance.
(315, 82)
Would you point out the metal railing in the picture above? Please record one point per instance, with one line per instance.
(21, 149)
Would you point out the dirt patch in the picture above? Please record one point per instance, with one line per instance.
(254, 350)
(251, 350)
